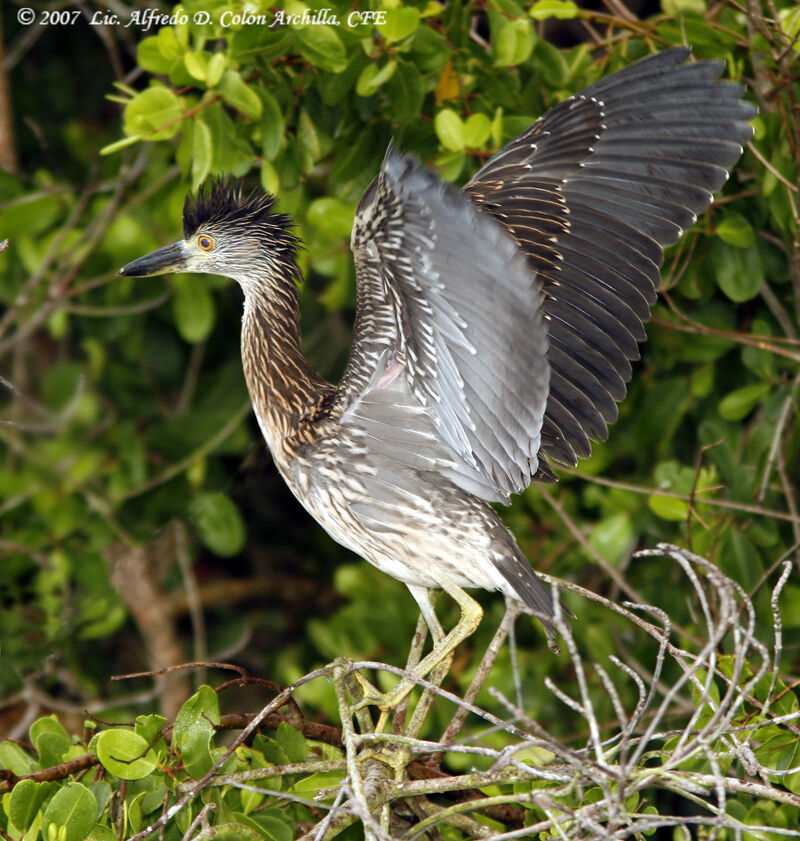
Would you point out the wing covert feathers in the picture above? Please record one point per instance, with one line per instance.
(468, 333)
(592, 192)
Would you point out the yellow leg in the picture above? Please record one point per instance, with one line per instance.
(443, 647)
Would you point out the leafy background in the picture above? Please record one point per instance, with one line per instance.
(143, 524)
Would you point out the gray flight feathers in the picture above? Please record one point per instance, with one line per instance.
(461, 314)
(589, 194)
(592, 192)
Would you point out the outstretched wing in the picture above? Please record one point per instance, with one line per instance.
(591, 193)
(449, 357)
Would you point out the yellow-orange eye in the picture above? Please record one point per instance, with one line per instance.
(206, 243)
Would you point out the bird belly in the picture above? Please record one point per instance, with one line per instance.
(409, 525)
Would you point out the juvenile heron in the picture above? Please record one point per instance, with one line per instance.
(494, 328)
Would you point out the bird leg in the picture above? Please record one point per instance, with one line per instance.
(471, 614)
(438, 673)
(414, 656)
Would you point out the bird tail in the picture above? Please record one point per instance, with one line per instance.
(535, 595)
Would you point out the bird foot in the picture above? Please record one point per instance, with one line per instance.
(386, 702)
(392, 755)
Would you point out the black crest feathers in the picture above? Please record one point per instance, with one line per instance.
(223, 203)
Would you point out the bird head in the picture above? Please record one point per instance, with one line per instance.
(229, 233)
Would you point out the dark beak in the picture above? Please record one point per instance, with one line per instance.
(170, 258)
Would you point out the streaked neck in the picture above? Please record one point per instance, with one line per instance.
(284, 388)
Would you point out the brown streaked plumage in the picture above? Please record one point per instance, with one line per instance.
(494, 329)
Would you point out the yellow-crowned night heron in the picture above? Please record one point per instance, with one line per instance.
(494, 328)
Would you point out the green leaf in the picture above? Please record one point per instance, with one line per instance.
(192, 308)
(740, 560)
(477, 129)
(702, 380)
(449, 165)
(790, 24)
(675, 7)
(238, 95)
(101, 833)
(171, 48)
(73, 807)
(450, 130)
(16, 760)
(202, 153)
(250, 800)
(274, 827)
(668, 508)
(405, 92)
(371, 78)
(322, 47)
(739, 403)
(736, 230)
(29, 216)
(110, 148)
(551, 64)
(400, 23)
(315, 782)
(271, 750)
(563, 9)
(219, 523)
(241, 827)
(270, 180)
(292, 741)
(149, 56)
(50, 739)
(272, 126)
(125, 754)
(332, 216)
(215, 69)
(612, 537)
(513, 44)
(195, 64)
(739, 272)
(194, 729)
(429, 50)
(150, 727)
(24, 802)
(154, 114)
(102, 794)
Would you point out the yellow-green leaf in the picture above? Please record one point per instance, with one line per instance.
(154, 114)
(237, 94)
(739, 403)
(477, 129)
(400, 23)
(543, 9)
(125, 754)
(736, 230)
(196, 66)
(514, 43)
(215, 69)
(372, 77)
(668, 508)
(202, 153)
(450, 130)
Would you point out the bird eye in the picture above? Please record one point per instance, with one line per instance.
(206, 243)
